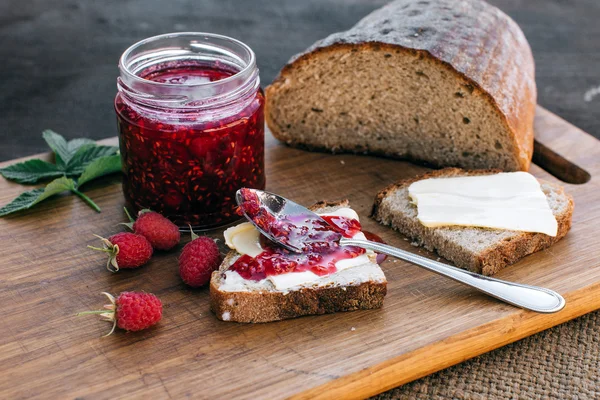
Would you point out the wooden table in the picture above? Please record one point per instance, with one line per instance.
(59, 66)
(427, 322)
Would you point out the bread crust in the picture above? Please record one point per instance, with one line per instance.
(495, 58)
(268, 306)
(274, 306)
(495, 258)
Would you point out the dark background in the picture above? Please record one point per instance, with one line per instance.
(58, 59)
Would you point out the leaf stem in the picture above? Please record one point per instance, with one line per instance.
(89, 201)
(92, 312)
(128, 215)
(101, 249)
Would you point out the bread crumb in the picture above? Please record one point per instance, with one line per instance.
(342, 162)
(353, 329)
(226, 316)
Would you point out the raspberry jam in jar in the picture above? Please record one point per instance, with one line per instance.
(191, 126)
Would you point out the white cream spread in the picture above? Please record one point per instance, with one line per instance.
(511, 200)
(233, 282)
(244, 239)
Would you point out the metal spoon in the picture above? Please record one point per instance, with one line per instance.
(525, 296)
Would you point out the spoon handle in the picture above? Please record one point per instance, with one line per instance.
(525, 296)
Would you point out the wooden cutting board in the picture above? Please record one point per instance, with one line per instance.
(427, 322)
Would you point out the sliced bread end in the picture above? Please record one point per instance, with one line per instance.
(481, 250)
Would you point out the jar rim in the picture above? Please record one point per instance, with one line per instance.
(175, 47)
(125, 68)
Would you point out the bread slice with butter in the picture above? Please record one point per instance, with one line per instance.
(233, 298)
(482, 250)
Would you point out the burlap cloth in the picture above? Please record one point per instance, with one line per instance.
(560, 363)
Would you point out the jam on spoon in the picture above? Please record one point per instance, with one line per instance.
(315, 238)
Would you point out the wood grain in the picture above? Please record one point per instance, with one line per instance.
(427, 322)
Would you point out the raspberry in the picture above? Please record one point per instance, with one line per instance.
(160, 232)
(198, 259)
(132, 311)
(125, 250)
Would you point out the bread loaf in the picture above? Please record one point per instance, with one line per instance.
(445, 82)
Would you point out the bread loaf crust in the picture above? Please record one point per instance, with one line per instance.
(477, 41)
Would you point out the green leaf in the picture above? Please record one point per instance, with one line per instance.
(74, 145)
(100, 167)
(55, 187)
(76, 157)
(86, 155)
(62, 149)
(32, 197)
(59, 146)
(31, 171)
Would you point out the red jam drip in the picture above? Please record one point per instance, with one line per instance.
(376, 238)
(188, 170)
(347, 227)
(318, 240)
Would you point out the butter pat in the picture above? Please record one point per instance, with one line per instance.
(342, 212)
(512, 201)
(244, 238)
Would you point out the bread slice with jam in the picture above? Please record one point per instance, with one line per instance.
(233, 298)
(482, 250)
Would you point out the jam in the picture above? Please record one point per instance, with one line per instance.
(305, 233)
(317, 239)
(376, 238)
(186, 160)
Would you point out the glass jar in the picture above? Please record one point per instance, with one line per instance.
(190, 115)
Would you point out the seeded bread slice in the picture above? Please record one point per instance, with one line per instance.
(358, 288)
(481, 250)
(447, 82)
